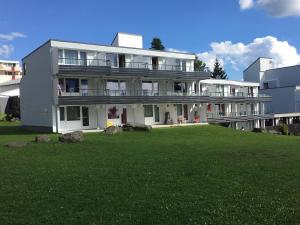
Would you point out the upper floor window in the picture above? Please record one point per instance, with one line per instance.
(266, 85)
(24, 68)
(71, 57)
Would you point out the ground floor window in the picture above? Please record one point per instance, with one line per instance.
(73, 113)
(148, 110)
(62, 113)
(179, 110)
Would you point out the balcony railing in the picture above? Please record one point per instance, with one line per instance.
(141, 92)
(125, 65)
(220, 115)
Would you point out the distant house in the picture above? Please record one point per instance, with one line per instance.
(9, 70)
(283, 84)
(77, 86)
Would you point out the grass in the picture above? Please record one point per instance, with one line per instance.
(184, 175)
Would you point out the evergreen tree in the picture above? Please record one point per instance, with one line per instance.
(199, 65)
(218, 72)
(157, 44)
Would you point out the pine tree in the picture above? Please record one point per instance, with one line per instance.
(218, 72)
(157, 44)
(199, 65)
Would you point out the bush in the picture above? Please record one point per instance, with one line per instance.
(2, 117)
(283, 129)
(12, 109)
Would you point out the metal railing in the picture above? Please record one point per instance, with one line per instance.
(129, 65)
(219, 115)
(236, 94)
(144, 92)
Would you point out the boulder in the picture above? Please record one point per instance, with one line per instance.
(113, 130)
(72, 137)
(42, 138)
(16, 144)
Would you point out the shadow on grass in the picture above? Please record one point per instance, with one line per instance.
(17, 130)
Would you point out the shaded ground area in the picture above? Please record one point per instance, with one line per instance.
(184, 175)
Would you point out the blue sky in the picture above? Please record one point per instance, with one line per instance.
(232, 25)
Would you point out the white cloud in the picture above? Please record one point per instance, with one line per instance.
(276, 8)
(239, 55)
(176, 50)
(11, 36)
(246, 4)
(6, 50)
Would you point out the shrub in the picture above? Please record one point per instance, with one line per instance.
(12, 109)
(283, 129)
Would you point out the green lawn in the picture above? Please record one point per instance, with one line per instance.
(184, 175)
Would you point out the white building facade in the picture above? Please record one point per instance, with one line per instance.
(71, 86)
(283, 84)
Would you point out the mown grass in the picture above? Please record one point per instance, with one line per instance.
(184, 175)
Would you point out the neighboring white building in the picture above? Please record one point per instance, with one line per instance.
(73, 86)
(283, 84)
(9, 70)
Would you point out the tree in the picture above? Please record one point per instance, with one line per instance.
(157, 44)
(199, 65)
(218, 72)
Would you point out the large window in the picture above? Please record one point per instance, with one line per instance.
(71, 57)
(149, 88)
(73, 113)
(116, 87)
(62, 113)
(148, 110)
(72, 85)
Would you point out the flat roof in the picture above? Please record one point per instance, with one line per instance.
(114, 49)
(8, 61)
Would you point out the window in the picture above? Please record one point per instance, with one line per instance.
(148, 111)
(112, 59)
(115, 87)
(72, 85)
(149, 88)
(83, 59)
(266, 85)
(62, 113)
(60, 56)
(113, 113)
(179, 110)
(24, 68)
(71, 57)
(180, 87)
(73, 113)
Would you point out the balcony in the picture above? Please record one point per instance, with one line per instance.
(98, 67)
(98, 96)
(241, 116)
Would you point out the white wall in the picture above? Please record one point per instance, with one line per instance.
(36, 89)
(255, 72)
(128, 40)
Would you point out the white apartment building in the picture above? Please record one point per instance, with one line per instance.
(9, 70)
(283, 84)
(71, 86)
